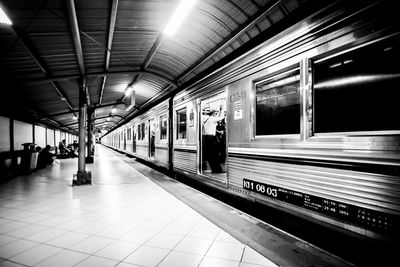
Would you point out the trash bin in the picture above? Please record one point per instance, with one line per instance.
(27, 157)
(33, 157)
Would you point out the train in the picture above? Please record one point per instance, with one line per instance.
(305, 122)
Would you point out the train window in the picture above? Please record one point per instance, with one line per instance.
(278, 104)
(129, 134)
(163, 127)
(181, 124)
(143, 128)
(139, 132)
(356, 91)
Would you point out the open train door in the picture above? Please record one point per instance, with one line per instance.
(213, 145)
(152, 136)
(124, 133)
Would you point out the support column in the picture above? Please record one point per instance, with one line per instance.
(89, 158)
(82, 177)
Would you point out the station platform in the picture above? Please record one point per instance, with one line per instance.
(132, 215)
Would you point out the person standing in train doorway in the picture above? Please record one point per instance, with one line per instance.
(210, 139)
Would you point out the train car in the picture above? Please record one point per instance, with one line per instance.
(145, 137)
(152, 135)
(310, 122)
(303, 123)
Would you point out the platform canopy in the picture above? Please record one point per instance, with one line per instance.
(113, 46)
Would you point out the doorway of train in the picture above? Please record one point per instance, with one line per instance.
(124, 139)
(152, 137)
(213, 136)
(133, 139)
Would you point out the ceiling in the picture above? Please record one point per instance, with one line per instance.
(54, 47)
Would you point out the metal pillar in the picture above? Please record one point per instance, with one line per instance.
(82, 177)
(89, 158)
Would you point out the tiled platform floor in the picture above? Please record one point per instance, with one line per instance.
(123, 219)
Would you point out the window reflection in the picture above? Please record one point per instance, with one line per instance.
(278, 104)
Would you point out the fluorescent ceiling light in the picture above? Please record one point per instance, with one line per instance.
(4, 18)
(178, 16)
(113, 110)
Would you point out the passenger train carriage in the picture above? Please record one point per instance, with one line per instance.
(308, 122)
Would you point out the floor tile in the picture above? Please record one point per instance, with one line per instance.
(178, 228)
(194, 245)
(67, 240)
(204, 232)
(214, 262)
(138, 236)
(162, 240)
(253, 257)
(6, 239)
(225, 250)
(10, 264)
(65, 258)
(91, 244)
(121, 216)
(125, 264)
(27, 230)
(147, 256)
(11, 226)
(117, 250)
(180, 259)
(14, 248)
(46, 235)
(53, 221)
(35, 255)
(92, 228)
(71, 224)
(113, 232)
(225, 237)
(94, 261)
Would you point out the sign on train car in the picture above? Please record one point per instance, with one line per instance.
(374, 220)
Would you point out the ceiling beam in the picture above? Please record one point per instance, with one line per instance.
(111, 28)
(99, 75)
(73, 22)
(95, 106)
(98, 32)
(74, 27)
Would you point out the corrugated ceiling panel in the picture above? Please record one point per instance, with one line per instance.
(234, 10)
(201, 42)
(250, 7)
(156, 85)
(291, 5)
(93, 14)
(57, 53)
(220, 13)
(143, 15)
(33, 16)
(131, 48)
(144, 90)
(93, 53)
(71, 91)
(265, 2)
(168, 63)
